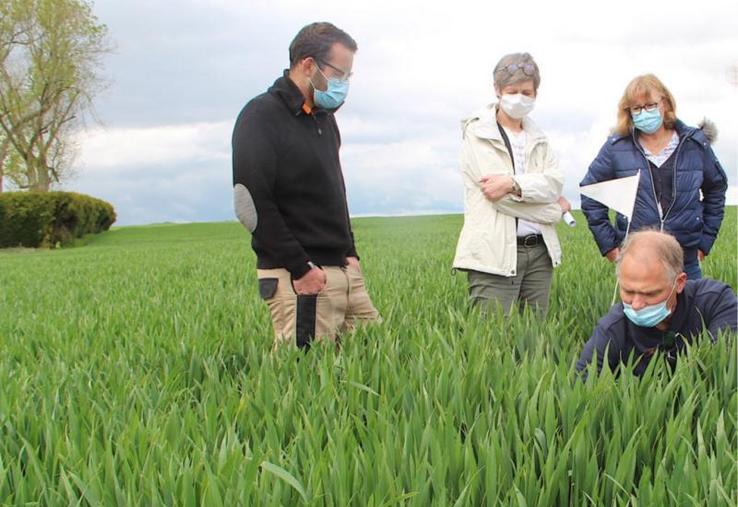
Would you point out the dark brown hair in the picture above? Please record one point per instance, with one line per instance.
(316, 40)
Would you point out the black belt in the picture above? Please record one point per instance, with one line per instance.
(530, 240)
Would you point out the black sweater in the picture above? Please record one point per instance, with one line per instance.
(704, 304)
(287, 160)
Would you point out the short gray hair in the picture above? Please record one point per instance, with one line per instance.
(663, 245)
(504, 76)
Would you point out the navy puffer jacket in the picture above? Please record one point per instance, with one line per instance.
(694, 221)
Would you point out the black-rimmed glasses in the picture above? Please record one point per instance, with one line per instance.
(636, 110)
(342, 74)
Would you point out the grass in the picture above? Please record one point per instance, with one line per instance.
(137, 370)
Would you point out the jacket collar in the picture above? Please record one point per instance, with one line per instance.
(682, 129)
(483, 124)
(286, 90)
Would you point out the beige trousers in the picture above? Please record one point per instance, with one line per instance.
(299, 319)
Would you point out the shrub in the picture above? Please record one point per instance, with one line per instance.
(43, 219)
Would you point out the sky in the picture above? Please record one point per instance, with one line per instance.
(158, 147)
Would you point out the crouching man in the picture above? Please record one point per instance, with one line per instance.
(661, 310)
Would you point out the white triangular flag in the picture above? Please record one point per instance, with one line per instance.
(619, 194)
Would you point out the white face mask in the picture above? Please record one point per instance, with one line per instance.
(517, 105)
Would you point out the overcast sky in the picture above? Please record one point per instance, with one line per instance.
(181, 71)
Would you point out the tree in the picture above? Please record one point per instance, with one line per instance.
(50, 53)
(5, 156)
(4, 151)
(11, 164)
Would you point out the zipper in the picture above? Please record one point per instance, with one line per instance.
(674, 176)
(662, 215)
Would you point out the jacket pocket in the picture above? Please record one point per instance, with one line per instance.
(268, 287)
(697, 225)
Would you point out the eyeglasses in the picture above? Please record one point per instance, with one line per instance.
(342, 74)
(636, 110)
(528, 69)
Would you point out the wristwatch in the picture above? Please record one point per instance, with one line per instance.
(516, 188)
(312, 265)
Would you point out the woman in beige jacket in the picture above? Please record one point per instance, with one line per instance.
(512, 201)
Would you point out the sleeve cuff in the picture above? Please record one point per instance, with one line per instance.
(516, 188)
(298, 270)
(605, 249)
(706, 243)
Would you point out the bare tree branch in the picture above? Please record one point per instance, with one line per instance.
(50, 52)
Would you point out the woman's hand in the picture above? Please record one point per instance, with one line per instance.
(495, 187)
(565, 205)
(613, 254)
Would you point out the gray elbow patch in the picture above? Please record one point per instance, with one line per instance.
(244, 206)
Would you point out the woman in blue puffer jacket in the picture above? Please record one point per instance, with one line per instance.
(676, 163)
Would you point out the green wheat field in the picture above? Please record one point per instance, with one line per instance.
(137, 369)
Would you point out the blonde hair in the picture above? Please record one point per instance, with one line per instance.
(644, 88)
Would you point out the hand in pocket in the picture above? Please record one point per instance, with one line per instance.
(311, 282)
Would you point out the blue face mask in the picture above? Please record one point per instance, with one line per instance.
(651, 315)
(647, 121)
(333, 96)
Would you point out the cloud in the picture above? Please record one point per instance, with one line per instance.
(187, 192)
(156, 174)
(120, 149)
(399, 177)
(180, 76)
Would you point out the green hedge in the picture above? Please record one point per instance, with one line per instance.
(45, 219)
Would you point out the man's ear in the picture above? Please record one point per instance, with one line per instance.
(681, 281)
(305, 66)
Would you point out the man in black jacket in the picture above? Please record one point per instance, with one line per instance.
(289, 193)
(661, 310)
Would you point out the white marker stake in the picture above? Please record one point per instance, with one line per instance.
(568, 219)
(618, 194)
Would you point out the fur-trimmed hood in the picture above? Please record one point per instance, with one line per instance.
(710, 130)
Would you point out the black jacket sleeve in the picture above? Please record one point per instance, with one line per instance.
(352, 251)
(255, 168)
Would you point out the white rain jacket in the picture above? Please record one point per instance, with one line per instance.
(488, 240)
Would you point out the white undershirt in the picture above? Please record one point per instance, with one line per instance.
(659, 158)
(518, 140)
